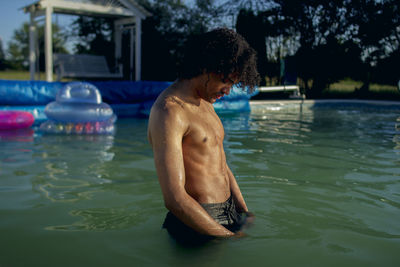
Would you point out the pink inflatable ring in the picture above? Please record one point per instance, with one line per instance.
(12, 119)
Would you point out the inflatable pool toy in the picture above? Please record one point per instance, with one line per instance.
(13, 119)
(78, 109)
(236, 101)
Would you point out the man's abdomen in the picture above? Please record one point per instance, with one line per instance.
(208, 188)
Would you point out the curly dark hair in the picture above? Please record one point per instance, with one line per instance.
(220, 51)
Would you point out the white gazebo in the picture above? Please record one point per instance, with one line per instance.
(127, 14)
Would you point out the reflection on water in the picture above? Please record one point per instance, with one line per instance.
(18, 135)
(396, 137)
(72, 165)
(101, 219)
(320, 175)
(323, 182)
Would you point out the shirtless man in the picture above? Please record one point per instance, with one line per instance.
(199, 189)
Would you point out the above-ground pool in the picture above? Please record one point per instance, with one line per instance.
(322, 179)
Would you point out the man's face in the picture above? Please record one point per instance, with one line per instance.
(217, 86)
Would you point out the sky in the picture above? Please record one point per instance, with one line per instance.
(12, 17)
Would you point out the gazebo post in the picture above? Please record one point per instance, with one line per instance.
(32, 46)
(138, 48)
(131, 53)
(117, 42)
(49, 44)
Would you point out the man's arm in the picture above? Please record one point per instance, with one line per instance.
(236, 193)
(238, 199)
(167, 127)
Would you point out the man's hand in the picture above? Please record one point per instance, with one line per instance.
(250, 217)
(248, 220)
(239, 234)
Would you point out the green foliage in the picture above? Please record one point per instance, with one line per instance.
(93, 35)
(163, 35)
(328, 40)
(18, 48)
(2, 56)
(248, 25)
(325, 41)
(3, 62)
(165, 32)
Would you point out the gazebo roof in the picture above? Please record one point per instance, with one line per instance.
(103, 8)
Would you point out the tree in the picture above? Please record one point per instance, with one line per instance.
(251, 20)
(250, 26)
(19, 45)
(322, 33)
(2, 57)
(387, 69)
(330, 40)
(94, 35)
(163, 35)
(166, 31)
(377, 31)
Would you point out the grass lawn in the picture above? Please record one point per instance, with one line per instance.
(350, 85)
(349, 89)
(22, 75)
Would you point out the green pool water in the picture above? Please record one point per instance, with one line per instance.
(323, 182)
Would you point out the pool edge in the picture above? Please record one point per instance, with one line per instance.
(325, 101)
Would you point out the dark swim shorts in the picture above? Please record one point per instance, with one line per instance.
(224, 213)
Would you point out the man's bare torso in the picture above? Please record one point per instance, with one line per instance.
(206, 178)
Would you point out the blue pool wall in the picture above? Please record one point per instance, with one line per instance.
(127, 98)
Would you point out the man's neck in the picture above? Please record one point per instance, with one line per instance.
(190, 90)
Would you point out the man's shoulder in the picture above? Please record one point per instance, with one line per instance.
(168, 105)
(169, 109)
(167, 116)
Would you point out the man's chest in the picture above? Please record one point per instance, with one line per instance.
(205, 129)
